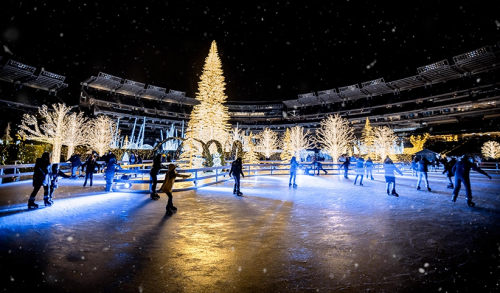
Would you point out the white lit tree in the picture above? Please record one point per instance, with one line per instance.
(101, 134)
(286, 147)
(384, 141)
(335, 136)
(51, 129)
(251, 156)
(268, 142)
(299, 140)
(491, 149)
(74, 134)
(209, 119)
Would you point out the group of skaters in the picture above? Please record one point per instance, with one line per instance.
(452, 168)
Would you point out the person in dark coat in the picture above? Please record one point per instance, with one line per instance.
(236, 171)
(390, 178)
(111, 167)
(155, 169)
(360, 171)
(319, 167)
(345, 165)
(293, 172)
(369, 168)
(75, 163)
(462, 175)
(90, 166)
(41, 177)
(448, 166)
(133, 159)
(423, 168)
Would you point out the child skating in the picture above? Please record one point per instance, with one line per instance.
(390, 178)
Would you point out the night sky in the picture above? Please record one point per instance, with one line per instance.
(269, 51)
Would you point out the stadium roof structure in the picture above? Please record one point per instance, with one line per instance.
(24, 75)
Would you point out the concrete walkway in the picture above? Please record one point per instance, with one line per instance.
(325, 236)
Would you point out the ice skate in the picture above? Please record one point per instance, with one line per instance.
(173, 208)
(361, 184)
(169, 211)
(294, 185)
(155, 196)
(418, 187)
(429, 189)
(388, 193)
(471, 204)
(32, 205)
(395, 193)
(47, 202)
(239, 194)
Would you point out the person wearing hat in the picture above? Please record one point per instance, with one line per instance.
(168, 185)
(155, 169)
(236, 171)
(462, 172)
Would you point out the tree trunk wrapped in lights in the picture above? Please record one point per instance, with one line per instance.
(50, 131)
(491, 149)
(367, 138)
(101, 134)
(268, 142)
(384, 141)
(209, 119)
(299, 140)
(74, 134)
(335, 136)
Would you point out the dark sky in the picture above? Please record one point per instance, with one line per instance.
(269, 51)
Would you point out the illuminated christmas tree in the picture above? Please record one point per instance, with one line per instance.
(335, 136)
(384, 141)
(299, 140)
(286, 147)
(268, 142)
(251, 156)
(50, 131)
(368, 138)
(74, 134)
(491, 149)
(101, 134)
(209, 119)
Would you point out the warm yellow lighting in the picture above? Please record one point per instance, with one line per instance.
(335, 136)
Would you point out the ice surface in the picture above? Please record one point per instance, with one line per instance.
(327, 235)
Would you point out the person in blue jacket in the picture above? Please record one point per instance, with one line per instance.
(390, 178)
(293, 172)
(360, 171)
(422, 168)
(41, 177)
(111, 167)
(369, 168)
(462, 173)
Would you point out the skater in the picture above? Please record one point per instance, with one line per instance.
(157, 164)
(89, 165)
(236, 171)
(293, 172)
(360, 171)
(41, 177)
(75, 163)
(448, 166)
(318, 166)
(369, 168)
(168, 184)
(54, 181)
(422, 168)
(462, 172)
(346, 167)
(414, 165)
(390, 178)
(111, 167)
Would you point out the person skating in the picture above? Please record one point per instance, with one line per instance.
(462, 175)
(155, 169)
(390, 178)
(111, 167)
(448, 166)
(360, 171)
(236, 171)
(168, 185)
(369, 168)
(54, 181)
(90, 166)
(345, 165)
(423, 168)
(75, 163)
(293, 172)
(319, 166)
(414, 167)
(41, 177)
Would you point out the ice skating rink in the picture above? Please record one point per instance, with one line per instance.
(325, 236)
